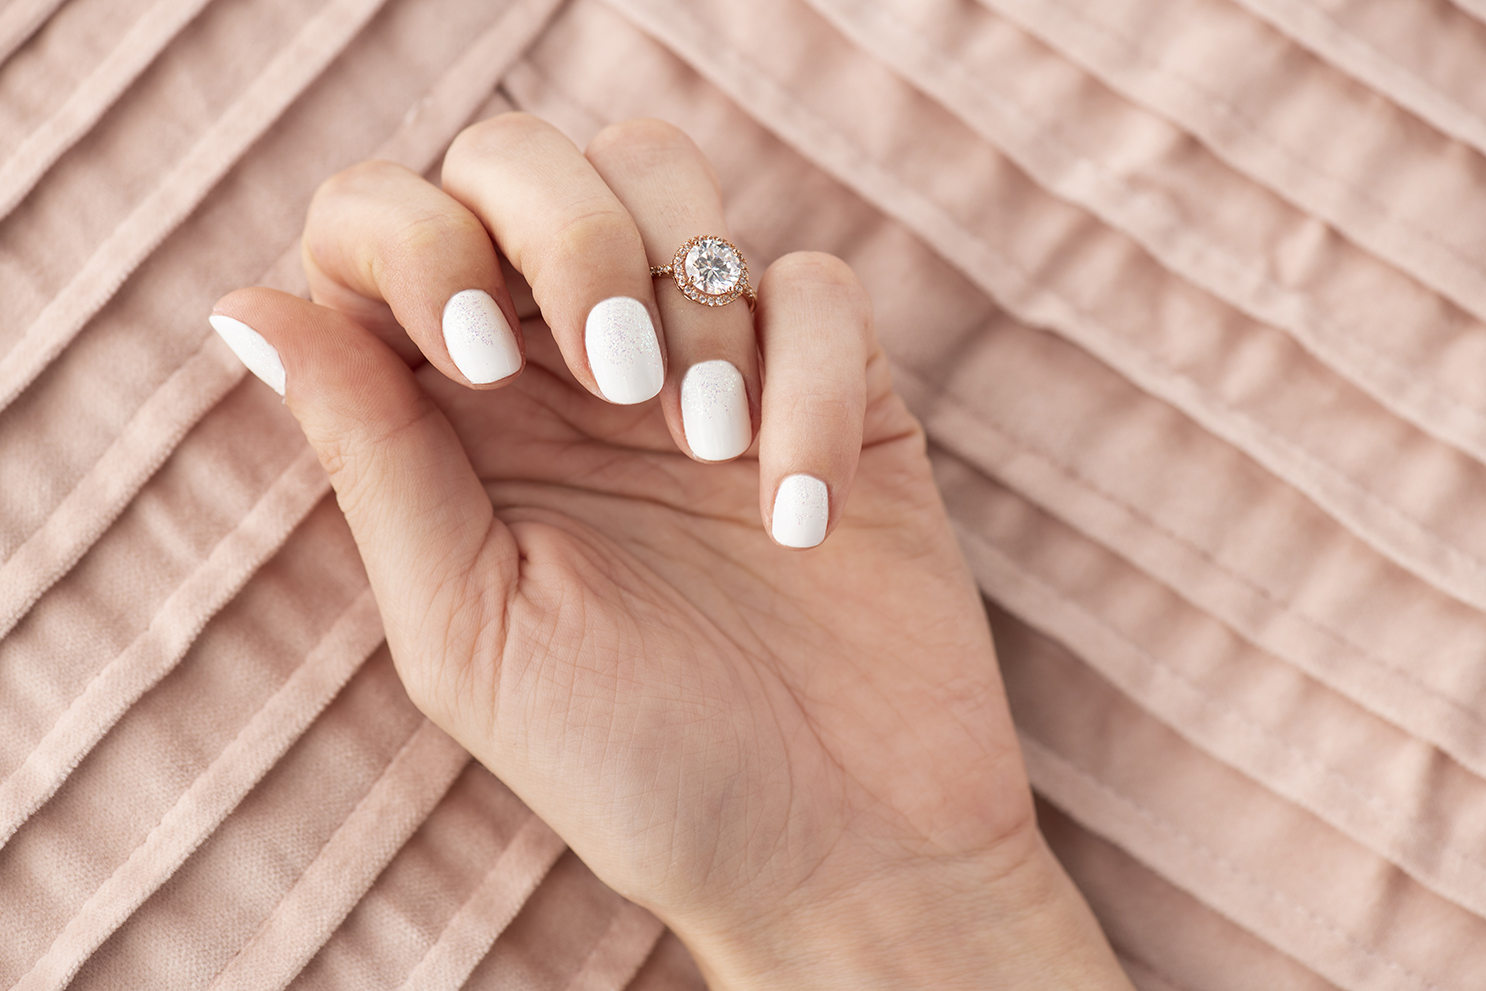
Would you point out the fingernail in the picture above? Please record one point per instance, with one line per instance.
(714, 411)
(479, 339)
(251, 349)
(801, 509)
(623, 350)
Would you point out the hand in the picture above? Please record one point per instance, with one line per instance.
(801, 760)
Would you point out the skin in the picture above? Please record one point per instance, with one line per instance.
(802, 761)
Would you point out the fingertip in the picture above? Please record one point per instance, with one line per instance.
(715, 417)
(260, 357)
(310, 354)
(801, 512)
(480, 339)
(237, 319)
(623, 350)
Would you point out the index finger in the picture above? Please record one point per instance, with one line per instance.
(384, 247)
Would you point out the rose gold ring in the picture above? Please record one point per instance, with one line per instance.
(709, 269)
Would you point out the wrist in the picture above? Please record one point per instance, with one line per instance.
(1013, 921)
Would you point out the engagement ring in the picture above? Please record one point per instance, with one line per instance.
(709, 270)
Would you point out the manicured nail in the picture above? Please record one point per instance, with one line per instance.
(251, 349)
(478, 337)
(801, 509)
(623, 350)
(714, 411)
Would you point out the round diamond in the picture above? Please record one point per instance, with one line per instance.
(713, 266)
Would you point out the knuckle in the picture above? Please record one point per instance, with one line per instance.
(347, 202)
(400, 242)
(340, 464)
(360, 181)
(823, 280)
(503, 134)
(644, 143)
(601, 231)
(355, 456)
(426, 230)
(830, 411)
(639, 135)
(817, 269)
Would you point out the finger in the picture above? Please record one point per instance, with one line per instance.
(669, 188)
(815, 331)
(419, 513)
(564, 230)
(397, 254)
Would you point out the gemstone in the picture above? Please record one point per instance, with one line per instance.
(713, 266)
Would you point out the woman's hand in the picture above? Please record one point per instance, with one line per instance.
(799, 759)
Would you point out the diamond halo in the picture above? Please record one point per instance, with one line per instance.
(710, 270)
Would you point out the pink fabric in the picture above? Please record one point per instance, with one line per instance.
(1189, 295)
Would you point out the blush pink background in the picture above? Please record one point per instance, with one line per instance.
(1188, 293)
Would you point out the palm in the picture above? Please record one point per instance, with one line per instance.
(659, 655)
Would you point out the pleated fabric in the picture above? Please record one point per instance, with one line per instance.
(1190, 296)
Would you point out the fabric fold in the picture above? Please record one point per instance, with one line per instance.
(619, 952)
(1476, 8)
(1425, 60)
(1319, 138)
(96, 501)
(1228, 841)
(1243, 708)
(1339, 956)
(1068, 284)
(1407, 348)
(213, 795)
(1186, 296)
(152, 655)
(320, 40)
(486, 913)
(1357, 667)
(402, 797)
(20, 19)
(1166, 939)
(136, 50)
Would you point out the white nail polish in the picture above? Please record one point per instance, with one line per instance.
(802, 508)
(623, 350)
(251, 349)
(478, 337)
(714, 411)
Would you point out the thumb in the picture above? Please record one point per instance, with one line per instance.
(439, 561)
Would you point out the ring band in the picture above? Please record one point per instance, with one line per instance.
(710, 270)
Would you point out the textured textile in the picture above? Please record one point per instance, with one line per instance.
(1189, 294)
